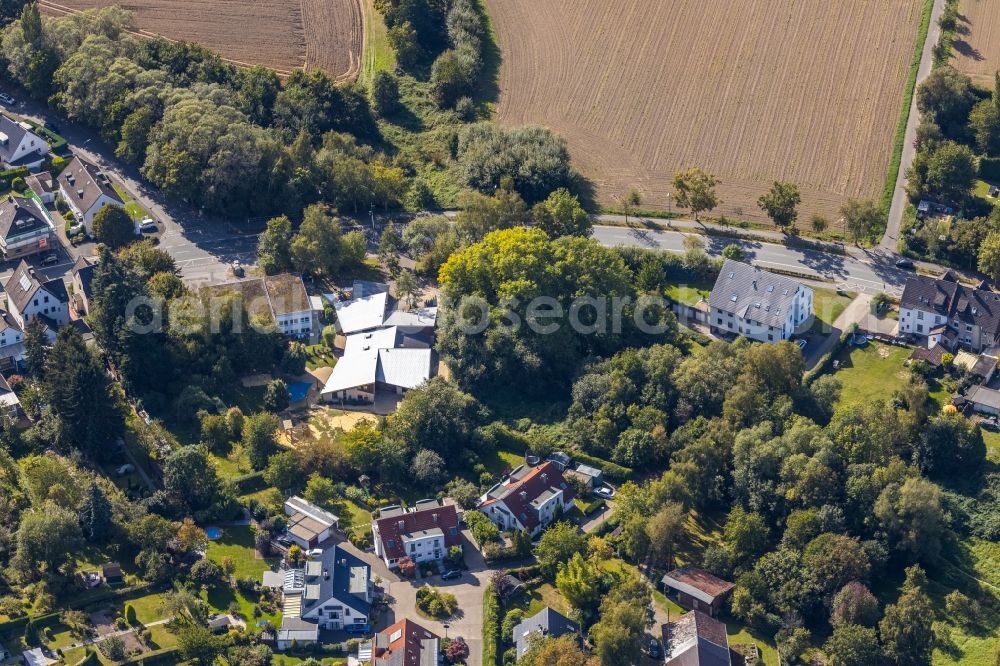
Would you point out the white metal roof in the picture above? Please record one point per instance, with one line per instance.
(381, 338)
(419, 319)
(352, 371)
(361, 314)
(407, 368)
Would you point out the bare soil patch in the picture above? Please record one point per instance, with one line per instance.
(752, 90)
(976, 45)
(283, 35)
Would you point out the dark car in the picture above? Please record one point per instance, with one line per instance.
(905, 263)
(449, 575)
(284, 540)
(654, 648)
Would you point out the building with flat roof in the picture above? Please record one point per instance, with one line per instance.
(308, 525)
(281, 299)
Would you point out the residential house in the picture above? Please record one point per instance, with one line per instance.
(43, 186)
(545, 623)
(10, 406)
(81, 275)
(696, 589)
(947, 313)
(696, 639)
(20, 146)
(424, 533)
(281, 299)
(589, 477)
(112, 574)
(29, 297)
(36, 657)
(375, 310)
(308, 525)
(405, 643)
(530, 498)
(758, 305)
(25, 228)
(86, 190)
(333, 592)
(11, 342)
(373, 361)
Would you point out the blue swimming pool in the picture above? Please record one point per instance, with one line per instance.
(298, 391)
(214, 533)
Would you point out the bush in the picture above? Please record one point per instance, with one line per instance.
(130, 616)
(483, 530)
(18, 184)
(436, 603)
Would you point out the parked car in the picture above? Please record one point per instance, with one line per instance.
(801, 342)
(147, 225)
(284, 541)
(314, 552)
(237, 268)
(605, 491)
(905, 263)
(531, 459)
(51, 259)
(654, 648)
(7, 99)
(451, 574)
(76, 229)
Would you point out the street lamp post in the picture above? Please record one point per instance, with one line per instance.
(669, 211)
(446, 625)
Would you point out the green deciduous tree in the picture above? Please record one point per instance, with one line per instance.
(853, 645)
(781, 203)
(259, 438)
(113, 227)
(558, 544)
(95, 515)
(862, 219)
(695, 190)
(190, 477)
(906, 633)
(274, 246)
(989, 256)
(562, 215)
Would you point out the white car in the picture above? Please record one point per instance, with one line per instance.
(7, 99)
(147, 225)
(801, 343)
(315, 552)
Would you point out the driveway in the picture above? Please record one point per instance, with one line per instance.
(855, 311)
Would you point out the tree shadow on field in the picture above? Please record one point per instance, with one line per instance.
(488, 90)
(965, 49)
(584, 190)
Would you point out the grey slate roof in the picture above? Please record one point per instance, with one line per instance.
(14, 133)
(984, 396)
(346, 571)
(546, 622)
(750, 293)
(85, 270)
(85, 184)
(953, 300)
(697, 640)
(23, 285)
(20, 216)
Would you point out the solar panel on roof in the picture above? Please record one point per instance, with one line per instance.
(25, 282)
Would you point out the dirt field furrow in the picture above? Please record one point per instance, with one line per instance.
(282, 34)
(752, 90)
(977, 44)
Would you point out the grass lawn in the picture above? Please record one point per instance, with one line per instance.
(872, 372)
(229, 469)
(689, 294)
(700, 531)
(544, 595)
(354, 518)
(238, 543)
(319, 356)
(134, 210)
(992, 440)
(378, 55)
(828, 305)
(499, 462)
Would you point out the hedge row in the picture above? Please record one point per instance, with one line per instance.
(491, 627)
(7, 176)
(989, 169)
(164, 656)
(610, 469)
(249, 483)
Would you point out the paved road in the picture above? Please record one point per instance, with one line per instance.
(891, 237)
(870, 271)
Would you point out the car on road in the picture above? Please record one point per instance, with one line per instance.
(905, 263)
(7, 99)
(51, 259)
(654, 648)
(147, 225)
(451, 574)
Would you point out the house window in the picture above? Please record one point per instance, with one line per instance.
(770, 337)
(920, 315)
(413, 548)
(920, 328)
(46, 299)
(968, 328)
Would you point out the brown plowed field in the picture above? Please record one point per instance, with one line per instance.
(751, 90)
(977, 44)
(282, 34)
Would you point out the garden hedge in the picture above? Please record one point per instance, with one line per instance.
(610, 469)
(491, 626)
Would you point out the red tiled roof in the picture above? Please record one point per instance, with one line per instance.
(390, 531)
(532, 485)
(411, 637)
